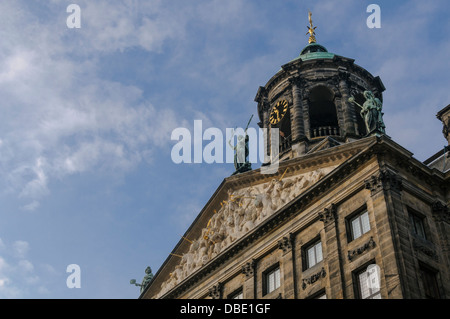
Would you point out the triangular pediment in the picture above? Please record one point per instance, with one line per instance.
(241, 203)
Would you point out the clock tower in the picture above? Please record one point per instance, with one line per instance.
(308, 100)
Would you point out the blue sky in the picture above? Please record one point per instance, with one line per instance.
(87, 115)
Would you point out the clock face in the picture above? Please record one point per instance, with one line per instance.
(278, 112)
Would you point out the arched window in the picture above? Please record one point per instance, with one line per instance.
(322, 112)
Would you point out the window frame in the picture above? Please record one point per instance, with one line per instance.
(416, 218)
(305, 253)
(318, 295)
(235, 293)
(356, 276)
(434, 275)
(349, 223)
(266, 277)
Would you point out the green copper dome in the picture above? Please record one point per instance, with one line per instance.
(315, 51)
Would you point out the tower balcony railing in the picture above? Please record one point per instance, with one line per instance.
(324, 131)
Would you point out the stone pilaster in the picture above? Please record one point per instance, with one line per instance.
(289, 270)
(398, 264)
(249, 289)
(441, 216)
(385, 180)
(333, 255)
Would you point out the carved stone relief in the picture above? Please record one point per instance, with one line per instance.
(313, 278)
(240, 213)
(352, 254)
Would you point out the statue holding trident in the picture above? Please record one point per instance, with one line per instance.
(371, 113)
(241, 163)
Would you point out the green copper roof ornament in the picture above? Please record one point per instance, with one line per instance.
(311, 30)
(147, 278)
(371, 113)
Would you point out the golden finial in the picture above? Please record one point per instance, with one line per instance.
(311, 30)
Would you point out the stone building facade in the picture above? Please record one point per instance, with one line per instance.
(349, 214)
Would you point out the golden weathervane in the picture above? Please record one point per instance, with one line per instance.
(311, 30)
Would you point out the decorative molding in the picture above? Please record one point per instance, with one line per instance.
(425, 248)
(285, 243)
(343, 75)
(360, 250)
(328, 215)
(249, 268)
(384, 180)
(441, 213)
(215, 292)
(445, 128)
(298, 81)
(313, 278)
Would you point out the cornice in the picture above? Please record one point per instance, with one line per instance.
(300, 68)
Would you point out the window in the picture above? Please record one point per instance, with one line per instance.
(359, 225)
(368, 282)
(313, 254)
(430, 285)
(271, 280)
(318, 295)
(238, 294)
(417, 224)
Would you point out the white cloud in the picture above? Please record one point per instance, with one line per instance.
(25, 266)
(117, 26)
(31, 206)
(21, 248)
(3, 282)
(42, 290)
(19, 277)
(59, 117)
(3, 264)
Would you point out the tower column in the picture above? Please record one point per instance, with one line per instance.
(347, 107)
(306, 123)
(297, 123)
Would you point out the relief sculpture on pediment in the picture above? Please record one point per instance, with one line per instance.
(243, 210)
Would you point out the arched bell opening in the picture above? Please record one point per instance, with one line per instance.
(322, 113)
